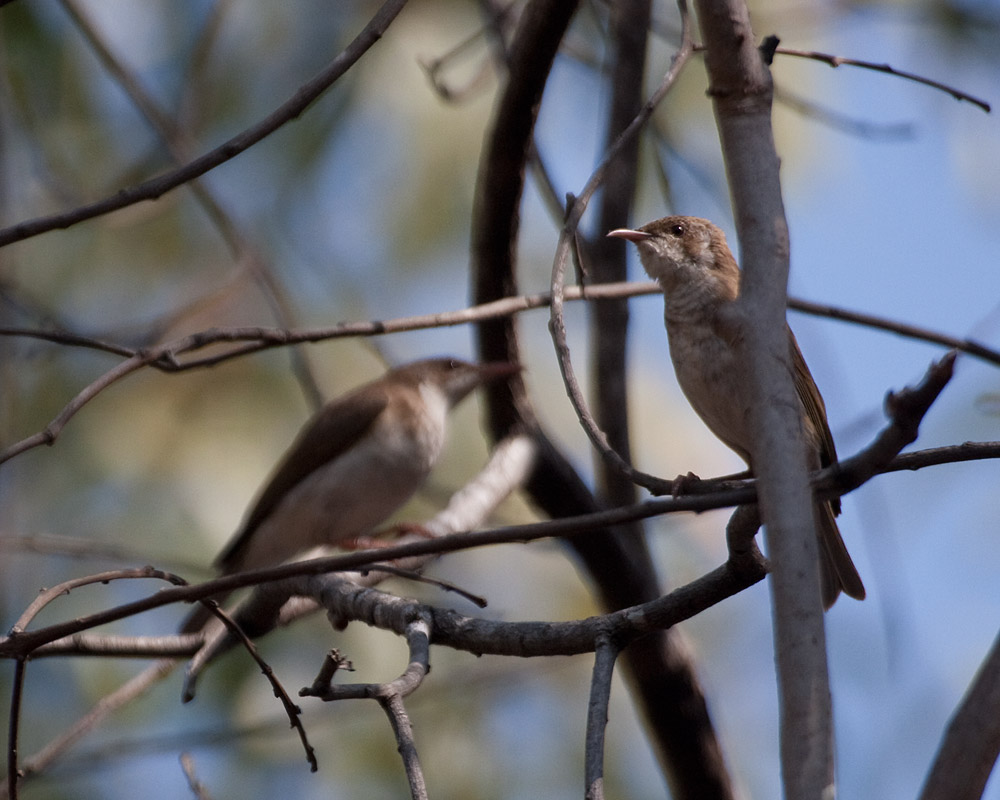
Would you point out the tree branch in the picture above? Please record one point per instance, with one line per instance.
(741, 90)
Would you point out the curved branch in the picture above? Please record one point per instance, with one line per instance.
(557, 326)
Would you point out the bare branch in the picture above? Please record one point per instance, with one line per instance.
(597, 717)
(54, 428)
(557, 326)
(741, 90)
(262, 338)
(527, 639)
(837, 61)
(13, 727)
(403, 731)
(390, 697)
(969, 346)
(49, 595)
(197, 787)
(971, 743)
(164, 357)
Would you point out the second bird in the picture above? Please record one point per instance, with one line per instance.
(353, 465)
(691, 261)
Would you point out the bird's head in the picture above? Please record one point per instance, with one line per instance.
(453, 377)
(685, 253)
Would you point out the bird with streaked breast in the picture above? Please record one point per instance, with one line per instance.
(353, 465)
(690, 259)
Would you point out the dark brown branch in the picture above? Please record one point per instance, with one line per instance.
(154, 188)
(13, 727)
(49, 595)
(390, 697)
(906, 410)
(609, 319)
(620, 565)
(606, 653)
(529, 639)
(845, 475)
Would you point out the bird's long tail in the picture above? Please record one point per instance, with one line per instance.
(837, 571)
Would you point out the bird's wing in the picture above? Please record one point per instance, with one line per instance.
(815, 409)
(333, 431)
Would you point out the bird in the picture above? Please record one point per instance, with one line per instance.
(699, 277)
(357, 461)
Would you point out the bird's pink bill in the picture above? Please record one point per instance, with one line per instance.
(630, 234)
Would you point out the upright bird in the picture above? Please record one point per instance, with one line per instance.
(691, 261)
(352, 466)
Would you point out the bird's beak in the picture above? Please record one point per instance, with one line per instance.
(494, 370)
(630, 234)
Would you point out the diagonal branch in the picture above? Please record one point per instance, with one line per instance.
(971, 743)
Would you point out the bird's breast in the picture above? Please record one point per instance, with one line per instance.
(707, 373)
(354, 493)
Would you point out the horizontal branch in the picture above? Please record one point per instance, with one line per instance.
(906, 408)
(732, 493)
(255, 339)
(260, 338)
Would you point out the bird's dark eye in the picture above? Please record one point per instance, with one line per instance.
(676, 230)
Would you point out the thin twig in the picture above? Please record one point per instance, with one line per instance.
(557, 326)
(413, 575)
(837, 61)
(968, 346)
(13, 727)
(51, 431)
(260, 338)
(605, 655)
(141, 683)
(389, 696)
(293, 712)
(49, 595)
(395, 710)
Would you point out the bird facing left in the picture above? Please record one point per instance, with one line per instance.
(353, 465)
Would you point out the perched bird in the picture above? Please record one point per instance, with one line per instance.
(353, 465)
(691, 261)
